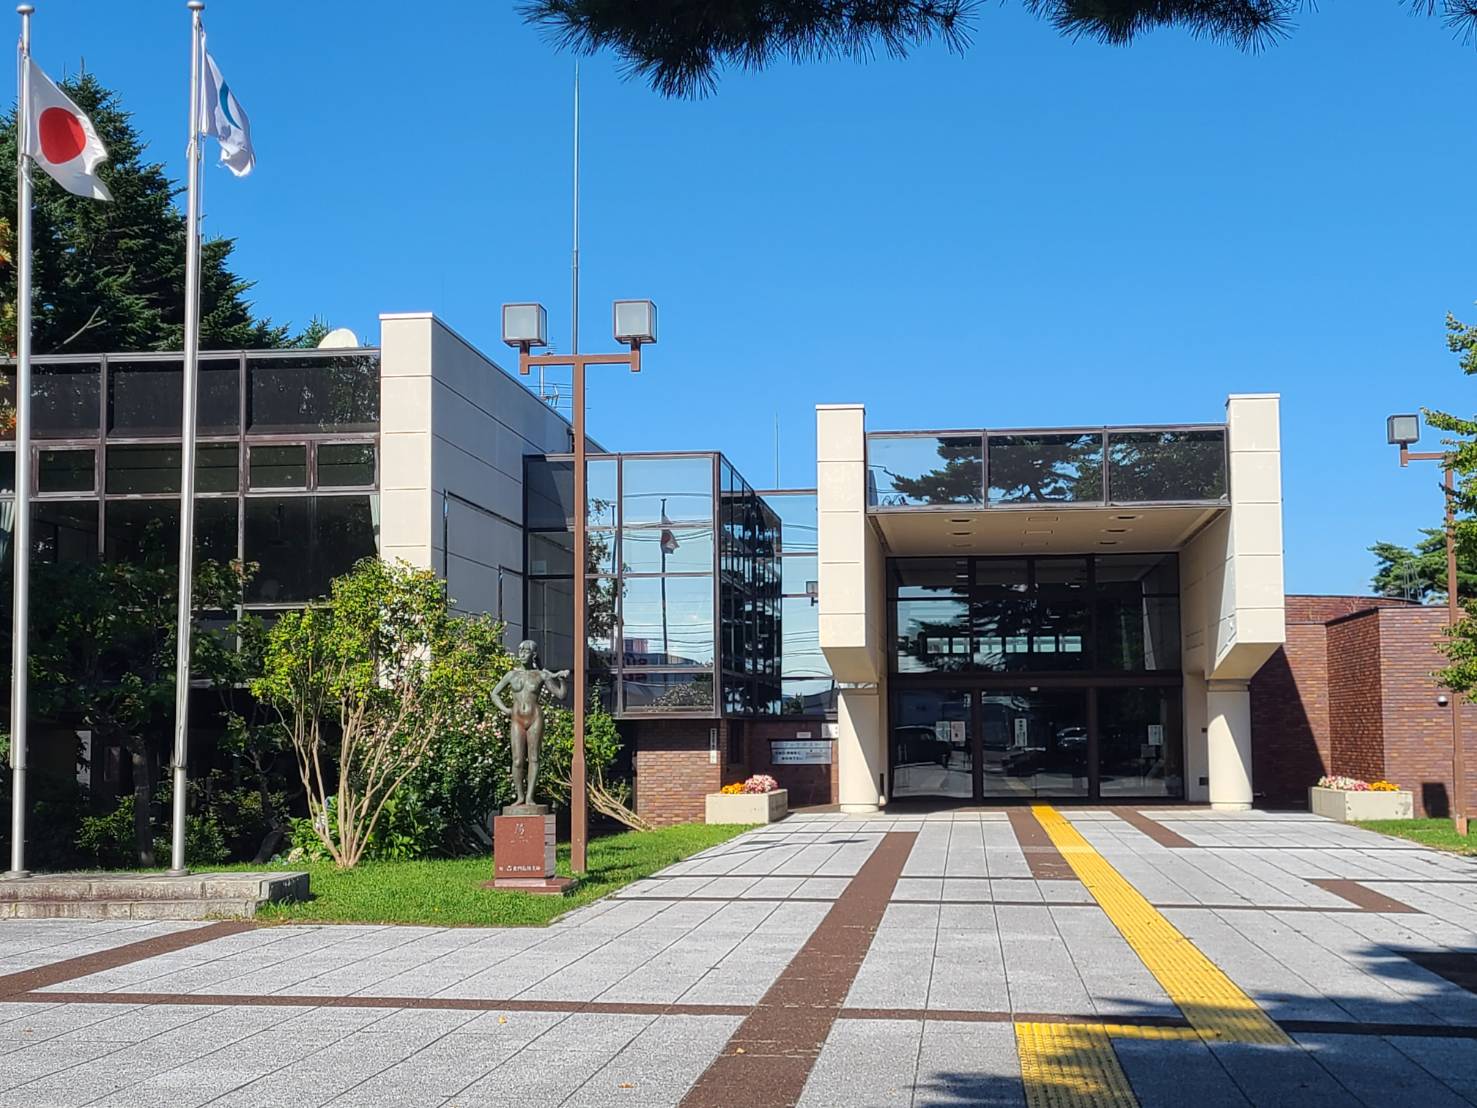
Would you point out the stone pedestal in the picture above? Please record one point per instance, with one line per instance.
(523, 855)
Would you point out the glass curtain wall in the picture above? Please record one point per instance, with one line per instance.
(807, 688)
(1153, 465)
(287, 465)
(683, 586)
(1036, 676)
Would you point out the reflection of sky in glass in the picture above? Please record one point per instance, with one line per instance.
(801, 653)
(681, 486)
(797, 514)
(688, 550)
(600, 491)
(687, 631)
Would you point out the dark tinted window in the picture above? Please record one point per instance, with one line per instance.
(145, 398)
(65, 400)
(66, 471)
(345, 464)
(64, 531)
(217, 467)
(313, 394)
(278, 467)
(142, 469)
(302, 543)
(7, 471)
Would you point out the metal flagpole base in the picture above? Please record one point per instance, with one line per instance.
(179, 872)
(14, 874)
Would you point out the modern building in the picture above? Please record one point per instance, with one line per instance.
(1058, 613)
(961, 616)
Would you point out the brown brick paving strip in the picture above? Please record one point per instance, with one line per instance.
(1366, 898)
(1042, 856)
(1153, 828)
(767, 1061)
(13, 985)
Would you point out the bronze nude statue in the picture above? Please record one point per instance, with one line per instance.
(526, 729)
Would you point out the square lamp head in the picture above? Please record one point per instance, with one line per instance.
(635, 322)
(1403, 430)
(525, 325)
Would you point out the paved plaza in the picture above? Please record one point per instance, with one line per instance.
(1165, 956)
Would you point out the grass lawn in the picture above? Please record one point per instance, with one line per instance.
(1436, 833)
(449, 891)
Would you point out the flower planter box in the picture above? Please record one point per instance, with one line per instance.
(748, 807)
(1346, 806)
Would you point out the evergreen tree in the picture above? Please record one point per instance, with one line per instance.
(679, 46)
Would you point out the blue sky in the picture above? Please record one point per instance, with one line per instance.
(1040, 233)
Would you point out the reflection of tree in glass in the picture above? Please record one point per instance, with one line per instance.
(1167, 465)
(340, 393)
(957, 481)
(697, 693)
(1030, 468)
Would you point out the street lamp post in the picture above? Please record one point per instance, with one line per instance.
(1403, 431)
(525, 326)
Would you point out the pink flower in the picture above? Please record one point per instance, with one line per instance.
(761, 783)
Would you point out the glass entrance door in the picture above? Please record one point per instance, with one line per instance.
(1035, 743)
(933, 743)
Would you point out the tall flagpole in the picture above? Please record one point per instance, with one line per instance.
(187, 451)
(574, 327)
(20, 544)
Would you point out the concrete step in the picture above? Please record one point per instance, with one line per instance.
(146, 895)
(36, 908)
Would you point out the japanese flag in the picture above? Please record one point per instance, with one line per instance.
(60, 139)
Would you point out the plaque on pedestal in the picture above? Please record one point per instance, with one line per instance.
(523, 854)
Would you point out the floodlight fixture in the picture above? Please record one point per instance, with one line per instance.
(1403, 430)
(525, 326)
(635, 322)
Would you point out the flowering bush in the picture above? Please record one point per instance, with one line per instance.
(1354, 785)
(760, 783)
(732, 790)
(1345, 784)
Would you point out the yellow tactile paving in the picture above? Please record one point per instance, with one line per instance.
(1071, 1065)
(1212, 1003)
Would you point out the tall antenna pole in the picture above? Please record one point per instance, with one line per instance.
(574, 299)
(20, 534)
(187, 451)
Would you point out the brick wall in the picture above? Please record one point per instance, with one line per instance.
(807, 785)
(1355, 696)
(674, 771)
(1417, 729)
(1352, 692)
(1289, 716)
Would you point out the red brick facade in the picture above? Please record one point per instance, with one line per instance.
(675, 766)
(1352, 693)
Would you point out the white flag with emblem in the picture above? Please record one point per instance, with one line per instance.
(224, 118)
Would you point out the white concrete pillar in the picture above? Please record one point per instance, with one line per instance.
(1197, 762)
(1228, 744)
(860, 749)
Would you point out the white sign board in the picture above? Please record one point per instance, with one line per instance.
(800, 752)
(1022, 731)
(956, 732)
(1156, 734)
(830, 730)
